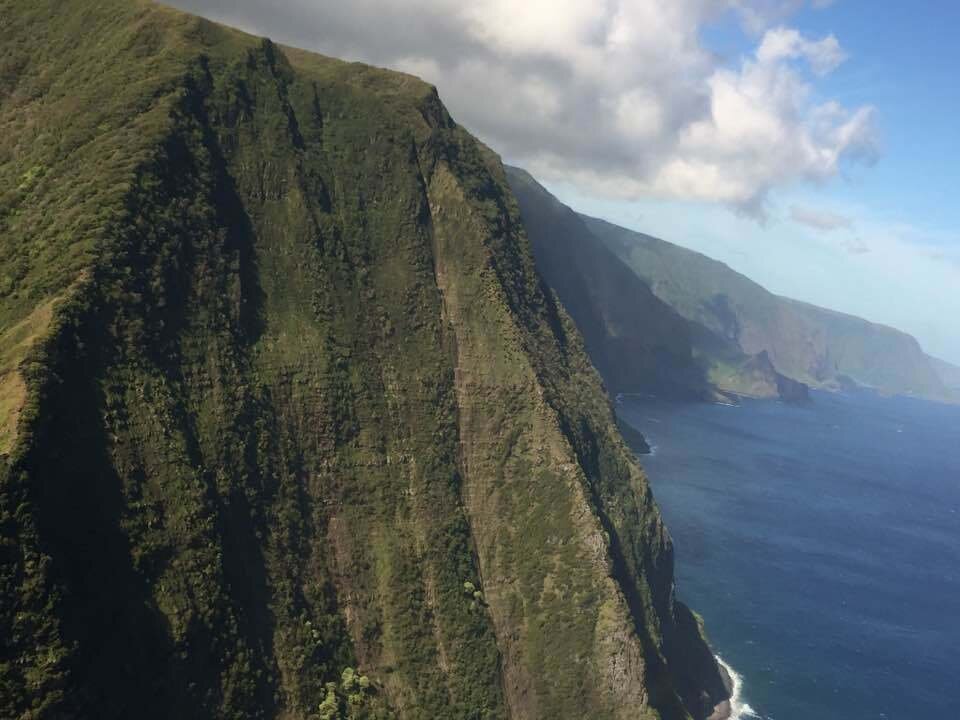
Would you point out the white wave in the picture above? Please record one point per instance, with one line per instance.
(739, 708)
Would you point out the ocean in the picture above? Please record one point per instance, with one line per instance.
(822, 546)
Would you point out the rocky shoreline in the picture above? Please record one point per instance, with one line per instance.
(724, 710)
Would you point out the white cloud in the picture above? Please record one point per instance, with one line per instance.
(886, 271)
(784, 43)
(822, 220)
(762, 130)
(617, 96)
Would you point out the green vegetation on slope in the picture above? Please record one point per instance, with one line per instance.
(299, 431)
(637, 341)
(873, 355)
(15, 342)
(808, 344)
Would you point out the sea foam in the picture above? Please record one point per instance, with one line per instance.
(739, 708)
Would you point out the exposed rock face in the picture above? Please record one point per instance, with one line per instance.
(792, 391)
(755, 374)
(299, 403)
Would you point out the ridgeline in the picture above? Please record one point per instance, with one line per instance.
(290, 425)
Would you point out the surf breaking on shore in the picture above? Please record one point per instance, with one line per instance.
(739, 708)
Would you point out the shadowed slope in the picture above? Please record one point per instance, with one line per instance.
(637, 341)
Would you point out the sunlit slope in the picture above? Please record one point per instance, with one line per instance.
(810, 344)
(296, 430)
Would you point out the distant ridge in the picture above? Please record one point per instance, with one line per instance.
(949, 374)
(823, 348)
(637, 340)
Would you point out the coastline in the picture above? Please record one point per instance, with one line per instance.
(734, 708)
(724, 709)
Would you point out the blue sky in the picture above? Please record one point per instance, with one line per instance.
(904, 59)
(898, 262)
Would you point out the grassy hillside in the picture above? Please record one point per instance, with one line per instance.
(809, 344)
(637, 341)
(291, 425)
(874, 355)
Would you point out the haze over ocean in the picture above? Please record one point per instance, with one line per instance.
(821, 544)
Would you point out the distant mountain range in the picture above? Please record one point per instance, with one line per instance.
(738, 338)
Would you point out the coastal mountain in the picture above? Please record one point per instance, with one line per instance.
(290, 425)
(949, 374)
(808, 344)
(872, 355)
(637, 340)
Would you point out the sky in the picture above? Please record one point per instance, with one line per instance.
(810, 144)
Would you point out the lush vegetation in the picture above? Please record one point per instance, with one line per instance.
(638, 342)
(806, 343)
(297, 430)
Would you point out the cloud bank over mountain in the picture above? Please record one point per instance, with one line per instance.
(621, 98)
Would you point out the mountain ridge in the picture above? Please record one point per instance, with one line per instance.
(300, 431)
(824, 348)
(631, 344)
(949, 372)
(638, 342)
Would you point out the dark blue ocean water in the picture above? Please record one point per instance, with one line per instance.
(822, 546)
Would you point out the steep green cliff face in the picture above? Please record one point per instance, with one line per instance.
(806, 343)
(874, 355)
(291, 425)
(637, 341)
